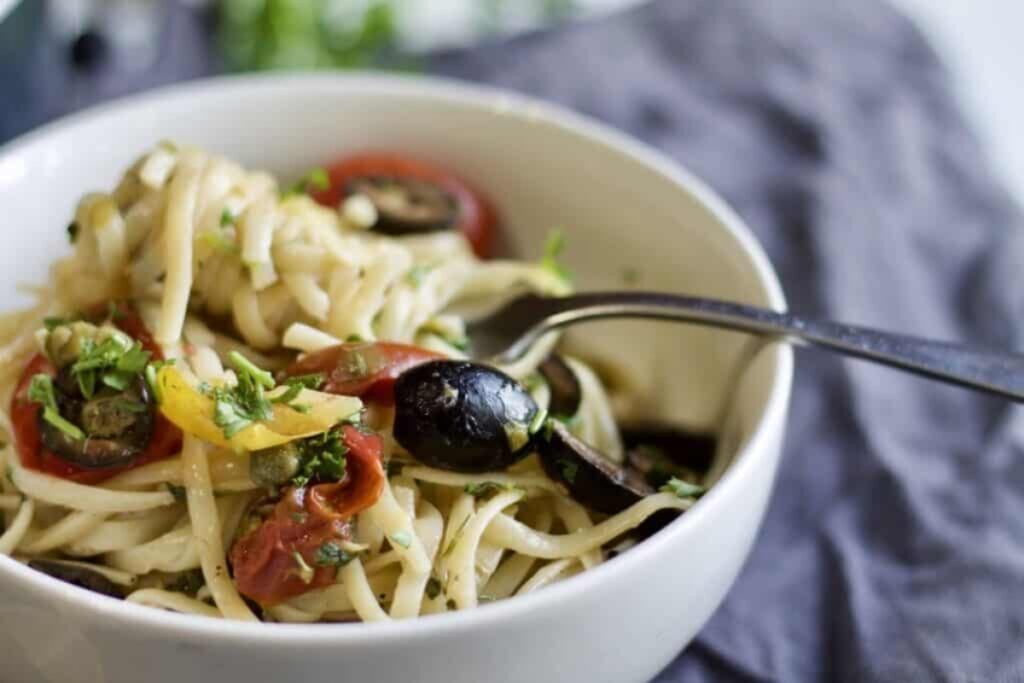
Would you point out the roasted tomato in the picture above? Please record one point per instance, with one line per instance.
(285, 554)
(412, 196)
(367, 370)
(165, 439)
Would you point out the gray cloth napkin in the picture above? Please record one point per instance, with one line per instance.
(893, 549)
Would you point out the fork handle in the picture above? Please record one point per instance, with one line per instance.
(991, 371)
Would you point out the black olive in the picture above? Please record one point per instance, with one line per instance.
(663, 451)
(406, 205)
(463, 417)
(78, 575)
(566, 394)
(592, 479)
(118, 425)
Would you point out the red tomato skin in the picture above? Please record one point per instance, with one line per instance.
(25, 418)
(477, 218)
(364, 369)
(263, 561)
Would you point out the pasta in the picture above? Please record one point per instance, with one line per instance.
(149, 444)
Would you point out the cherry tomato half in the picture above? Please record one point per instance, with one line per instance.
(364, 369)
(476, 217)
(265, 560)
(166, 439)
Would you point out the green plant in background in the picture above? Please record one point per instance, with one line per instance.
(277, 34)
(311, 34)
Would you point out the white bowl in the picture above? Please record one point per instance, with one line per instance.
(621, 205)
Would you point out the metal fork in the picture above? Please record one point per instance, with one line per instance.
(506, 335)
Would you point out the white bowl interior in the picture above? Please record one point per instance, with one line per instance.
(621, 207)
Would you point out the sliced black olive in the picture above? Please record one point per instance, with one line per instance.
(78, 575)
(406, 205)
(118, 425)
(274, 466)
(664, 451)
(462, 416)
(566, 394)
(592, 479)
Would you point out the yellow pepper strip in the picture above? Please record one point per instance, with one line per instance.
(192, 412)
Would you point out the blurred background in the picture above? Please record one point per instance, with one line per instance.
(58, 56)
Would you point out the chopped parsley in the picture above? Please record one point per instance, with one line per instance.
(53, 322)
(315, 180)
(237, 407)
(330, 554)
(113, 362)
(72, 232)
(321, 457)
(553, 246)
(40, 390)
(417, 273)
(683, 489)
(401, 538)
(313, 380)
(226, 218)
(114, 312)
(295, 385)
(569, 470)
(486, 488)
(433, 588)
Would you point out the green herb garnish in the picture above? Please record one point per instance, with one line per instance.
(569, 470)
(683, 489)
(316, 180)
(401, 538)
(313, 380)
(113, 362)
(53, 322)
(237, 407)
(40, 390)
(553, 246)
(322, 458)
(417, 273)
(226, 218)
(330, 554)
(114, 312)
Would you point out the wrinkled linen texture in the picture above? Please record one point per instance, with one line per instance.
(893, 549)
